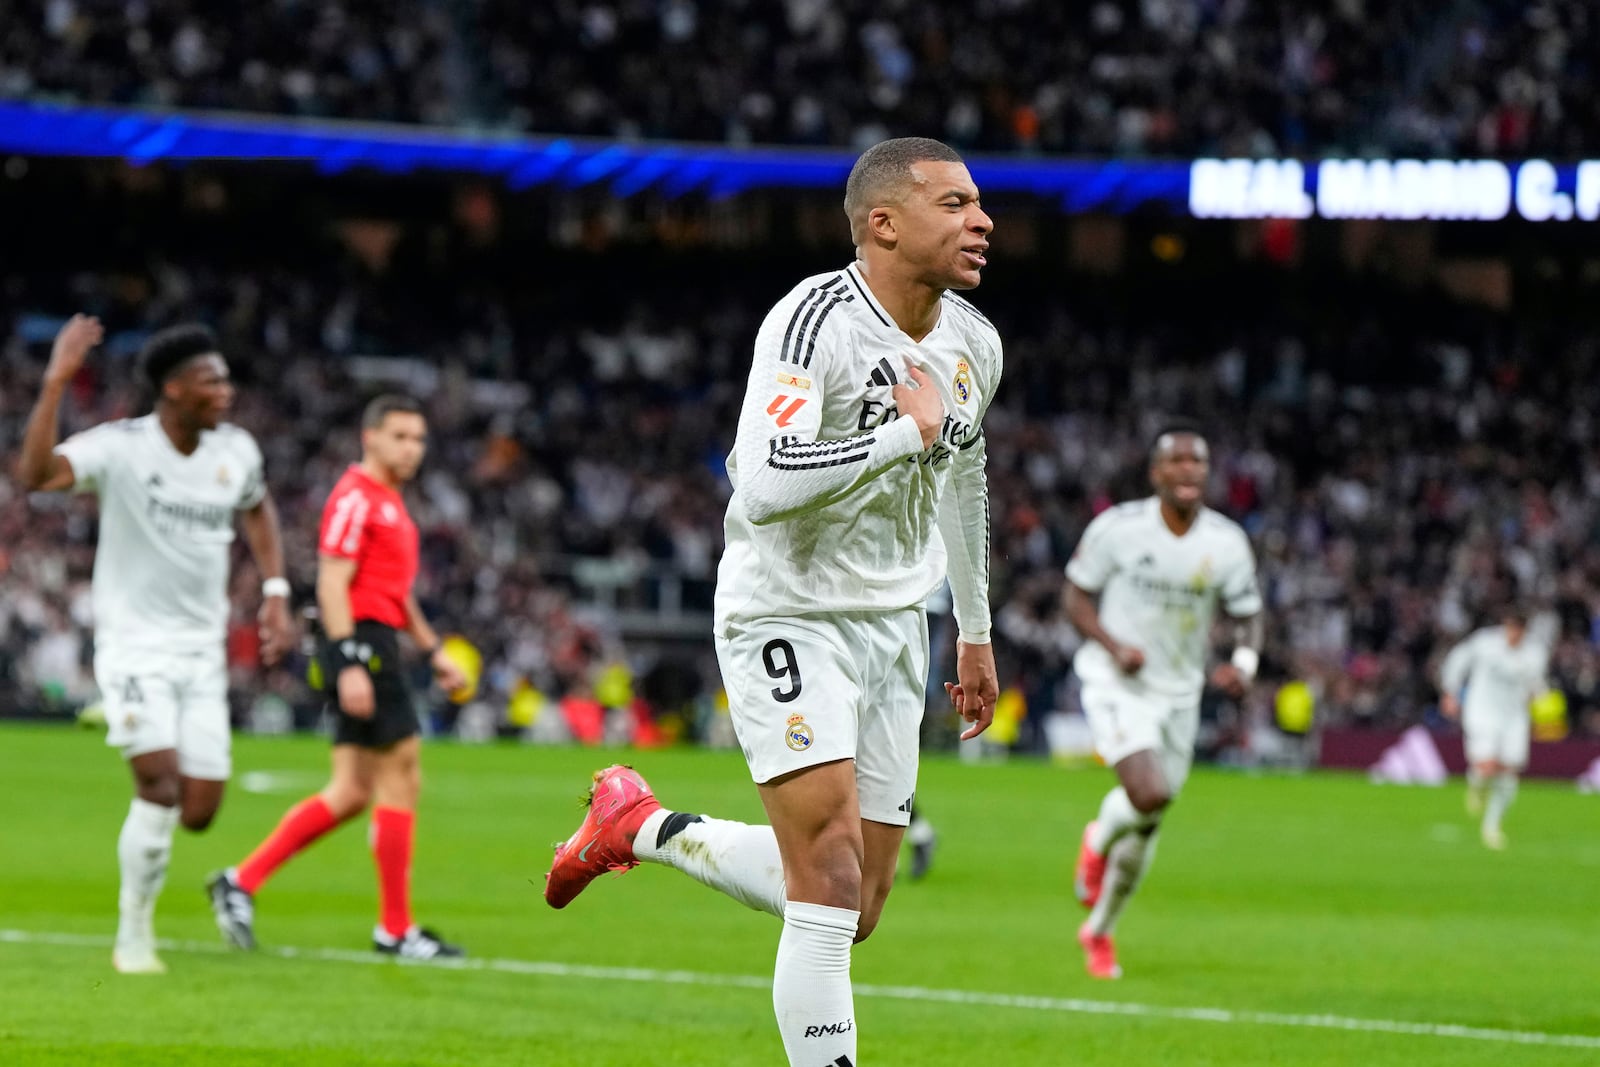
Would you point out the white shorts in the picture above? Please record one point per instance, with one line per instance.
(809, 690)
(1126, 717)
(162, 700)
(1500, 739)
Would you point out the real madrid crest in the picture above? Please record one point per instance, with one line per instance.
(962, 386)
(796, 734)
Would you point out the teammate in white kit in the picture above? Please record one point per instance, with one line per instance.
(858, 474)
(1502, 668)
(169, 485)
(1142, 589)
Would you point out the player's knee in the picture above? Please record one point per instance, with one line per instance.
(1149, 798)
(346, 801)
(196, 820)
(164, 790)
(872, 901)
(831, 871)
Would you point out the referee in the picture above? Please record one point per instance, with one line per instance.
(366, 566)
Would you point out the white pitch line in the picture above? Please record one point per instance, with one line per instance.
(1073, 1005)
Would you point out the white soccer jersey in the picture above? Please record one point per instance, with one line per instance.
(837, 507)
(1159, 592)
(166, 527)
(1500, 679)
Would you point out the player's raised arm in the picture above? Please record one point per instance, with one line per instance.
(785, 467)
(40, 467)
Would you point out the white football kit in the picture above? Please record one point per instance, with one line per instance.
(840, 526)
(1501, 681)
(160, 589)
(1158, 593)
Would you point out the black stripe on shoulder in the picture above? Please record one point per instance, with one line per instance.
(839, 297)
(791, 353)
(867, 300)
(968, 308)
(806, 301)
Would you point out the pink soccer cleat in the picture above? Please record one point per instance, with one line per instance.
(1090, 875)
(1099, 954)
(618, 801)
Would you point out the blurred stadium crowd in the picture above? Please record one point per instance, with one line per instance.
(1213, 77)
(1405, 464)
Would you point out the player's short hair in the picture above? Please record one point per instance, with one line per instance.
(882, 171)
(1181, 426)
(167, 350)
(381, 407)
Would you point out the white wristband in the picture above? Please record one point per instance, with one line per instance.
(275, 587)
(980, 638)
(1247, 660)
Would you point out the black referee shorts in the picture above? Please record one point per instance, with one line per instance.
(394, 713)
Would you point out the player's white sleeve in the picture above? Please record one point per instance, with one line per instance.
(1241, 592)
(254, 489)
(964, 525)
(1457, 666)
(1092, 562)
(785, 467)
(91, 454)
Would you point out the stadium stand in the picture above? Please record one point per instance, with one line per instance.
(1210, 77)
(1404, 462)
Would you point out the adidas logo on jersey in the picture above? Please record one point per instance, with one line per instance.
(883, 374)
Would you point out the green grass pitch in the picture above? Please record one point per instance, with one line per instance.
(1305, 916)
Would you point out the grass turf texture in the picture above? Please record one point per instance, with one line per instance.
(1316, 895)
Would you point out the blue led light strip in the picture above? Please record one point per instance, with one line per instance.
(625, 168)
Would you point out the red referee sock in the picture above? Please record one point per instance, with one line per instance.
(392, 833)
(301, 825)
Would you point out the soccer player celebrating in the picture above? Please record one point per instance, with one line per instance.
(1503, 669)
(368, 562)
(858, 474)
(1142, 588)
(170, 484)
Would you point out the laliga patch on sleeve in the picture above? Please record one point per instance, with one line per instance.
(784, 408)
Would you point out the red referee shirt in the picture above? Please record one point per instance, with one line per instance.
(367, 521)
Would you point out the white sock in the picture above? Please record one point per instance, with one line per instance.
(732, 857)
(1117, 817)
(1129, 858)
(811, 991)
(143, 848)
(1502, 791)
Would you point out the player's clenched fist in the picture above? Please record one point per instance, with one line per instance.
(921, 401)
(72, 344)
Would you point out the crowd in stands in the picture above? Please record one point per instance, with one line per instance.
(1406, 466)
(351, 59)
(1175, 77)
